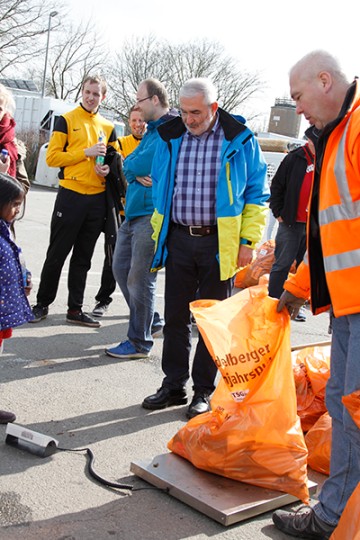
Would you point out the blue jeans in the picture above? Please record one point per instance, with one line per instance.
(345, 446)
(290, 245)
(133, 254)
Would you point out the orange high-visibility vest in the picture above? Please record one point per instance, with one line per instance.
(339, 218)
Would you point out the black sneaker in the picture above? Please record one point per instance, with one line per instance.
(82, 319)
(39, 312)
(303, 523)
(100, 309)
(301, 316)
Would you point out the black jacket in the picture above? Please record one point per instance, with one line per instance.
(115, 192)
(286, 185)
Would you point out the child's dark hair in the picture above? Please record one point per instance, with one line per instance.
(10, 189)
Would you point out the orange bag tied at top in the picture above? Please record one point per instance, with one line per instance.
(253, 433)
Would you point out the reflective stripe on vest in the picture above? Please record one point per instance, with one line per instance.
(348, 259)
(346, 210)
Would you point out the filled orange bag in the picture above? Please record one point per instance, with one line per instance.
(264, 258)
(348, 527)
(349, 524)
(318, 442)
(352, 403)
(311, 366)
(249, 275)
(253, 433)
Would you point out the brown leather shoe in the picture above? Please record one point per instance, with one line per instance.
(7, 417)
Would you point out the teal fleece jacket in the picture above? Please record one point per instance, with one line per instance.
(139, 199)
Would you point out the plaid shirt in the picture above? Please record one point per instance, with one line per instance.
(196, 178)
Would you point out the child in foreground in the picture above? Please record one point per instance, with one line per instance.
(14, 280)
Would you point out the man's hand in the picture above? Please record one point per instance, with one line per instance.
(245, 256)
(102, 170)
(144, 180)
(99, 149)
(291, 302)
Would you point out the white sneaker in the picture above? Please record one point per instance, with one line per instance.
(100, 309)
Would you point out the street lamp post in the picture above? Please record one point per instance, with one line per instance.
(52, 14)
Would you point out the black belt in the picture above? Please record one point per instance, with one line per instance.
(196, 230)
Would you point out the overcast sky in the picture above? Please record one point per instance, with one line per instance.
(265, 36)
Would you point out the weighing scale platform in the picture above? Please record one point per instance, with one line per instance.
(222, 499)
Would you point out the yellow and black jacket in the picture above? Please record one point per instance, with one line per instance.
(73, 133)
(128, 144)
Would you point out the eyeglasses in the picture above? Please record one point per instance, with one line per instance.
(144, 99)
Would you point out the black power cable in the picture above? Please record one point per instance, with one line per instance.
(92, 472)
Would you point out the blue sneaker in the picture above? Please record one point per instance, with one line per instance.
(125, 350)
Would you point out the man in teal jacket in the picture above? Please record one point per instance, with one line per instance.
(210, 192)
(134, 247)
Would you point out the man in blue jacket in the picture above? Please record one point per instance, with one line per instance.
(210, 192)
(134, 247)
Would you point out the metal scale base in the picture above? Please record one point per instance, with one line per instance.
(222, 499)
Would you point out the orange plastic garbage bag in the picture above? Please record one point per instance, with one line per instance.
(311, 366)
(349, 524)
(253, 433)
(264, 258)
(352, 403)
(318, 442)
(249, 275)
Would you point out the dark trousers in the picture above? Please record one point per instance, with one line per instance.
(290, 245)
(76, 224)
(191, 266)
(108, 283)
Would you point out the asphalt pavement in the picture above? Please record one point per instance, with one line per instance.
(59, 382)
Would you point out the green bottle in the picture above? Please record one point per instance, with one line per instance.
(100, 160)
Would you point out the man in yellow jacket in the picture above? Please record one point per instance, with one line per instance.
(78, 141)
(330, 272)
(137, 126)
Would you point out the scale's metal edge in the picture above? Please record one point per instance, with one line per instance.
(233, 515)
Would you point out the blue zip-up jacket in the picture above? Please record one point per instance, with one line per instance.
(14, 306)
(139, 199)
(241, 194)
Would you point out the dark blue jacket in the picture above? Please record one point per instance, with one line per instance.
(14, 306)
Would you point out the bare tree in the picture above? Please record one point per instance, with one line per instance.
(138, 59)
(72, 58)
(173, 65)
(22, 22)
